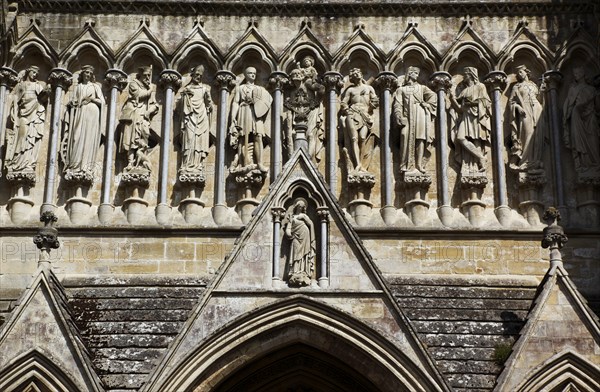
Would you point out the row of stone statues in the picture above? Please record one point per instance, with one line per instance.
(414, 109)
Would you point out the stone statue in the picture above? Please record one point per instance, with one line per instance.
(358, 102)
(249, 112)
(196, 107)
(473, 125)
(299, 229)
(82, 127)
(526, 134)
(26, 124)
(414, 107)
(581, 126)
(136, 116)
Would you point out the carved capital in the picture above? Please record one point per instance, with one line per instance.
(495, 80)
(115, 78)
(278, 213)
(386, 81)
(333, 81)
(440, 81)
(552, 80)
(170, 79)
(225, 80)
(8, 77)
(554, 235)
(278, 80)
(47, 236)
(60, 77)
(323, 213)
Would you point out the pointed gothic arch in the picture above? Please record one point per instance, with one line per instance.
(34, 368)
(296, 321)
(560, 372)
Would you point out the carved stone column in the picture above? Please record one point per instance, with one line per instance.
(60, 80)
(171, 81)
(277, 82)
(116, 80)
(552, 80)
(496, 82)
(333, 81)
(323, 213)
(440, 82)
(386, 82)
(225, 80)
(554, 237)
(277, 214)
(46, 238)
(8, 79)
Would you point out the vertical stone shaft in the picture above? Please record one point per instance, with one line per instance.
(552, 79)
(496, 81)
(116, 80)
(225, 82)
(386, 81)
(277, 214)
(172, 81)
(8, 78)
(440, 81)
(60, 79)
(277, 82)
(334, 82)
(324, 257)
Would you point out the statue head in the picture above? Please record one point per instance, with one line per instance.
(87, 74)
(299, 206)
(144, 74)
(579, 74)
(296, 76)
(31, 72)
(523, 73)
(196, 73)
(412, 73)
(250, 74)
(355, 75)
(308, 61)
(472, 73)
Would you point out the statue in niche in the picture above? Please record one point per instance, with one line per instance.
(299, 229)
(526, 133)
(82, 127)
(581, 126)
(249, 112)
(25, 127)
(414, 106)
(135, 119)
(196, 107)
(473, 123)
(358, 102)
(305, 108)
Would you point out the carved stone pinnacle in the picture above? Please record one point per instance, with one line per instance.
(386, 81)
(60, 77)
(333, 81)
(115, 78)
(440, 81)
(554, 235)
(552, 80)
(225, 80)
(278, 80)
(169, 78)
(47, 236)
(495, 80)
(8, 77)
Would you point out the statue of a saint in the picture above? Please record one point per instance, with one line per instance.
(136, 116)
(82, 127)
(581, 126)
(525, 112)
(473, 125)
(414, 107)
(299, 229)
(249, 112)
(358, 102)
(195, 107)
(26, 123)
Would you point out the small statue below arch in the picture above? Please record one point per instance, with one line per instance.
(299, 230)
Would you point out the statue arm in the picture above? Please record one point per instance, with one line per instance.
(235, 106)
(208, 99)
(398, 110)
(373, 98)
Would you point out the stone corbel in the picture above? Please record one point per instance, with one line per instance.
(225, 81)
(554, 237)
(440, 82)
(46, 238)
(333, 81)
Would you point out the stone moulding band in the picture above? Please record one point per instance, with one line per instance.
(298, 7)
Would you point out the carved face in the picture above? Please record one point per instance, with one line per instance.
(250, 74)
(413, 74)
(197, 76)
(578, 73)
(32, 75)
(86, 76)
(300, 206)
(146, 76)
(355, 75)
(307, 62)
(521, 75)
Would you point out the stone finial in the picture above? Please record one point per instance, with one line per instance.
(552, 80)
(495, 80)
(170, 79)
(333, 81)
(225, 80)
(60, 77)
(386, 81)
(46, 238)
(8, 77)
(115, 78)
(440, 81)
(554, 236)
(278, 80)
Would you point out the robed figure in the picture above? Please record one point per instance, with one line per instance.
(82, 127)
(299, 229)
